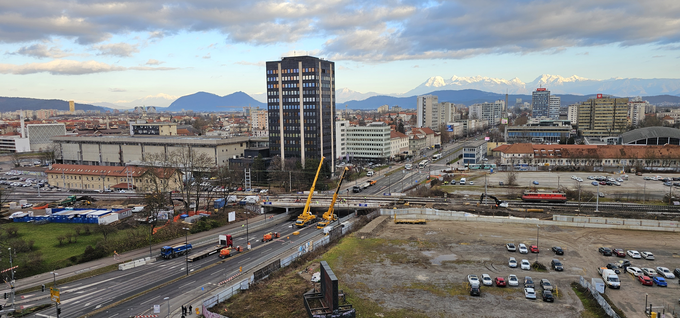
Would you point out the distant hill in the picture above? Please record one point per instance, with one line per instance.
(472, 96)
(208, 102)
(8, 104)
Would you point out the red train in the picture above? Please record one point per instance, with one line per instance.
(535, 196)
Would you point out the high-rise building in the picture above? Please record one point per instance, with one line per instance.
(71, 106)
(636, 110)
(341, 139)
(427, 111)
(603, 116)
(572, 114)
(554, 107)
(301, 104)
(490, 112)
(370, 142)
(540, 103)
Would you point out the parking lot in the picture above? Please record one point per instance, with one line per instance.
(426, 266)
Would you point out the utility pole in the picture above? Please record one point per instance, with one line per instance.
(597, 198)
(579, 197)
(644, 196)
(11, 270)
(54, 293)
(186, 242)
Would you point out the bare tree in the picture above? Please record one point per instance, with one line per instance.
(512, 178)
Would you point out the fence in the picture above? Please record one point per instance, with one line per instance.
(600, 300)
(303, 249)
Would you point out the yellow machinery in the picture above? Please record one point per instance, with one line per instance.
(330, 216)
(306, 215)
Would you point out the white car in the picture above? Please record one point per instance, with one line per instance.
(523, 249)
(511, 247)
(472, 183)
(635, 271)
(513, 281)
(525, 265)
(512, 262)
(27, 205)
(649, 272)
(529, 293)
(648, 256)
(316, 277)
(634, 254)
(486, 280)
(473, 280)
(665, 272)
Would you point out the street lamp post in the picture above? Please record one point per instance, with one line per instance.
(186, 242)
(168, 299)
(644, 195)
(597, 199)
(579, 197)
(11, 285)
(538, 227)
(54, 285)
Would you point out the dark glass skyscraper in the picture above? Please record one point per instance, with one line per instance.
(301, 108)
(540, 103)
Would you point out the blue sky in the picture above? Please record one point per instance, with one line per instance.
(153, 51)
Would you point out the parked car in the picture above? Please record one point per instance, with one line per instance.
(512, 263)
(648, 256)
(634, 254)
(486, 280)
(523, 249)
(645, 280)
(614, 267)
(26, 205)
(529, 293)
(606, 251)
(535, 182)
(473, 280)
(676, 272)
(557, 250)
(548, 296)
(474, 290)
(660, 281)
(534, 248)
(513, 281)
(665, 272)
(545, 284)
(594, 183)
(556, 265)
(619, 252)
(634, 271)
(525, 265)
(649, 271)
(500, 282)
(510, 247)
(528, 282)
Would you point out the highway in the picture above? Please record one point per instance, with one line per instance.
(84, 296)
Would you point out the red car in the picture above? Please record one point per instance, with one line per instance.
(534, 249)
(645, 280)
(500, 282)
(619, 252)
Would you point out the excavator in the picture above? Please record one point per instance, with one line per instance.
(499, 203)
(307, 216)
(330, 216)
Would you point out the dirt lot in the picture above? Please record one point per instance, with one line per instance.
(418, 270)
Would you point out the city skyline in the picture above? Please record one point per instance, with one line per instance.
(118, 52)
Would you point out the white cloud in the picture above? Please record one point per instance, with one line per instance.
(260, 63)
(69, 67)
(154, 62)
(117, 49)
(117, 90)
(41, 51)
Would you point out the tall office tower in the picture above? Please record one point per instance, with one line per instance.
(603, 116)
(554, 107)
(540, 103)
(301, 105)
(427, 111)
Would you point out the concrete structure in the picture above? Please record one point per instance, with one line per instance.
(603, 116)
(619, 156)
(383, 108)
(637, 108)
(427, 110)
(455, 128)
(122, 150)
(40, 135)
(416, 143)
(541, 132)
(491, 112)
(431, 137)
(370, 142)
(301, 104)
(100, 178)
(341, 138)
(398, 144)
(259, 119)
(540, 103)
(153, 129)
(472, 125)
(572, 114)
(474, 152)
(651, 136)
(14, 143)
(554, 107)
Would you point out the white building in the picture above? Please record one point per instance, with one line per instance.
(398, 143)
(341, 138)
(14, 143)
(637, 108)
(370, 142)
(427, 111)
(572, 114)
(554, 107)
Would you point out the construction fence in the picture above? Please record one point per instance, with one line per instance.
(600, 300)
(301, 250)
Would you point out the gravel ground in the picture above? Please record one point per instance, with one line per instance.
(425, 268)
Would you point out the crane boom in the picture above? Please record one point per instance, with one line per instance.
(330, 216)
(307, 216)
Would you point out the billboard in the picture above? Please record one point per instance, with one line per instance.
(232, 216)
(504, 121)
(449, 128)
(487, 138)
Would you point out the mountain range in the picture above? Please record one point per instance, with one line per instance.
(9, 104)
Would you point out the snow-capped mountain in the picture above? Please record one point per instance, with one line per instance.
(555, 83)
(346, 94)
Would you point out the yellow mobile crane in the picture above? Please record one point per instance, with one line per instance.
(306, 215)
(330, 216)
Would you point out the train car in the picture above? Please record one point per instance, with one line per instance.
(535, 196)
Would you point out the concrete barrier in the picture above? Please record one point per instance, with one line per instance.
(133, 264)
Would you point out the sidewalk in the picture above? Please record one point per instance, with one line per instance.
(45, 278)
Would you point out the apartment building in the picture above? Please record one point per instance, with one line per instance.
(572, 114)
(341, 138)
(603, 116)
(398, 144)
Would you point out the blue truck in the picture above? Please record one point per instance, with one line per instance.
(169, 252)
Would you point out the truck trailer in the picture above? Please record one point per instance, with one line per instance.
(168, 252)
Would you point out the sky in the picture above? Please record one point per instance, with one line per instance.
(153, 51)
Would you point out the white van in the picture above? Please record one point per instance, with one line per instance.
(462, 181)
(408, 166)
(369, 173)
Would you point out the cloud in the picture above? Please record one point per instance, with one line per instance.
(657, 56)
(260, 63)
(117, 90)
(373, 31)
(69, 67)
(207, 56)
(41, 51)
(153, 62)
(117, 49)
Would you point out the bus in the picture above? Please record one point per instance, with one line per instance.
(423, 163)
(482, 166)
(408, 166)
(436, 156)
